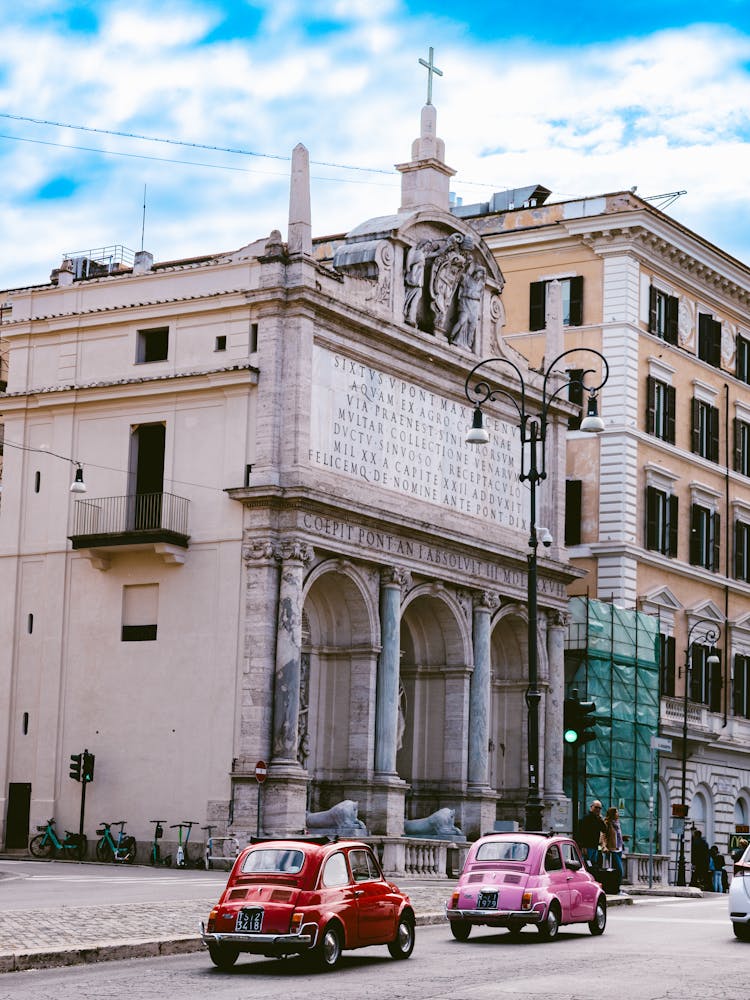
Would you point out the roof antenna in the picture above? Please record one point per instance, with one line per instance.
(143, 222)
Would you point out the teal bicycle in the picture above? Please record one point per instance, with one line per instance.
(46, 843)
(108, 849)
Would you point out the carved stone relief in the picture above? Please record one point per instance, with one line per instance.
(685, 322)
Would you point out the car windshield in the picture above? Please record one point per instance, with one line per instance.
(275, 860)
(502, 850)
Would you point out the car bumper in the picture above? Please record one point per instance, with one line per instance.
(495, 918)
(265, 944)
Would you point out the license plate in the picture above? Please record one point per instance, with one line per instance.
(249, 919)
(487, 901)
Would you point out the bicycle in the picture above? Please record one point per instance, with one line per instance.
(155, 853)
(122, 850)
(219, 849)
(182, 858)
(46, 842)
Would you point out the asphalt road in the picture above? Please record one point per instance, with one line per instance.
(658, 949)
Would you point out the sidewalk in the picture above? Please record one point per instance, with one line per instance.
(76, 935)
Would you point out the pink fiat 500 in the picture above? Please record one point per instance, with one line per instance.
(513, 879)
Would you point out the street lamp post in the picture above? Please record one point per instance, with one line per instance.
(533, 431)
(710, 636)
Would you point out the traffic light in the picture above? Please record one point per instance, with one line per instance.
(88, 766)
(75, 766)
(578, 725)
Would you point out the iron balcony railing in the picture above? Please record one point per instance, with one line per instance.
(139, 512)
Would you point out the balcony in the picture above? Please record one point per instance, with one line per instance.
(156, 522)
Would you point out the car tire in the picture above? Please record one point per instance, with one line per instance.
(40, 847)
(597, 925)
(460, 929)
(403, 944)
(328, 950)
(551, 924)
(223, 956)
(741, 931)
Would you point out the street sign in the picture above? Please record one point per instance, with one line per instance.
(261, 771)
(662, 743)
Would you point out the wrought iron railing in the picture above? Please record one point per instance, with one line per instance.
(134, 513)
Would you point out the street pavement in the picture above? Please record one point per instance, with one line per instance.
(52, 932)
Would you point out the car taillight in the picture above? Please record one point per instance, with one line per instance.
(295, 923)
(454, 900)
(526, 900)
(212, 919)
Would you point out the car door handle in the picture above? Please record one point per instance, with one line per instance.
(358, 892)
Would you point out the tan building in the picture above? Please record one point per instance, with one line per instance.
(286, 552)
(658, 509)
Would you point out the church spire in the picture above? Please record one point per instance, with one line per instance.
(425, 180)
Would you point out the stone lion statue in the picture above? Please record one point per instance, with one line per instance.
(440, 825)
(340, 819)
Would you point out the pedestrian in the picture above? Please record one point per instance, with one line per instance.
(716, 862)
(589, 832)
(611, 842)
(700, 858)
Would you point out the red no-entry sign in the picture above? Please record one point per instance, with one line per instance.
(261, 770)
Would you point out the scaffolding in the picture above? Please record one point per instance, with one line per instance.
(612, 658)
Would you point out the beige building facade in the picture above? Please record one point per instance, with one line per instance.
(286, 551)
(658, 509)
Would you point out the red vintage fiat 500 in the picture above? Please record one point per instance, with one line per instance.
(514, 879)
(297, 897)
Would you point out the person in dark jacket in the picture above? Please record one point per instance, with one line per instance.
(589, 831)
(700, 858)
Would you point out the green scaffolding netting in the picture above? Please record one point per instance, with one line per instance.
(612, 658)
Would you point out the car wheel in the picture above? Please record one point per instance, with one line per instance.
(403, 944)
(460, 929)
(551, 924)
(223, 956)
(328, 951)
(741, 931)
(597, 925)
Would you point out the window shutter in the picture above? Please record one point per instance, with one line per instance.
(737, 445)
(695, 426)
(695, 539)
(713, 412)
(703, 321)
(715, 540)
(739, 551)
(696, 673)
(537, 296)
(671, 330)
(650, 404)
(652, 499)
(740, 361)
(652, 310)
(576, 301)
(740, 674)
(573, 512)
(671, 406)
(673, 508)
(715, 686)
(715, 358)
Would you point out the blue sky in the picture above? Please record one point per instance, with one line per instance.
(585, 99)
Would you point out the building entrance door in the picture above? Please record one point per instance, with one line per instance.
(17, 818)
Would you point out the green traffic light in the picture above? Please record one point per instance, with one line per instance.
(570, 736)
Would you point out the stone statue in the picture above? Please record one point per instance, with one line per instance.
(340, 820)
(470, 292)
(439, 825)
(416, 259)
(446, 273)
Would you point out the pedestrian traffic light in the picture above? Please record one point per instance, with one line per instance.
(88, 766)
(75, 766)
(578, 726)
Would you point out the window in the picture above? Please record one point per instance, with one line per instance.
(742, 686)
(742, 551)
(705, 677)
(667, 665)
(572, 302)
(709, 339)
(660, 409)
(152, 345)
(662, 315)
(221, 343)
(140, 605)
(552, 859)
(273, 860)
(743, 359)
(335, 872)
(363, 866)
(661, 521)
(571, 857)
(705, 430)
(573, 512)
(704, 537)
(741, 446)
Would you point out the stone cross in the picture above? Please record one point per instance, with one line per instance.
(431, 68)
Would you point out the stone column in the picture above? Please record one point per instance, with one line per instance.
(386, 708)
(554, 796)
(480, 691)
(386, 809)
